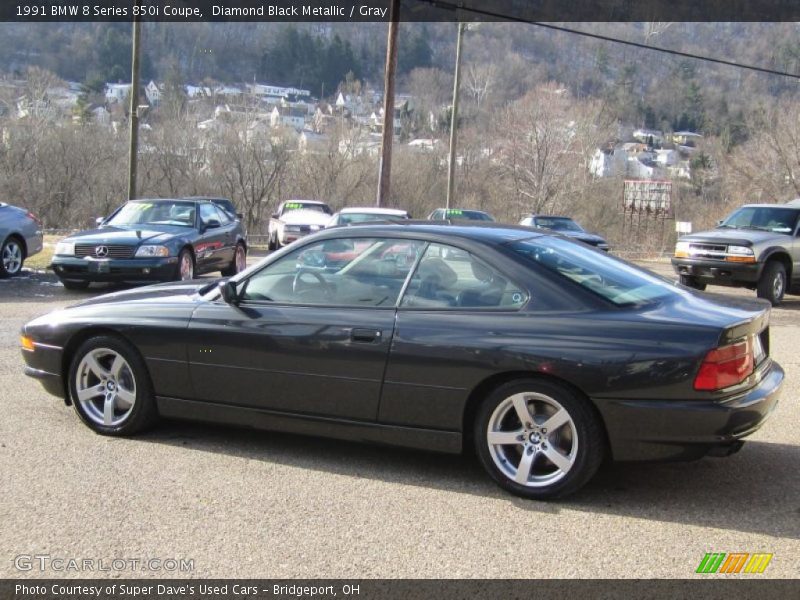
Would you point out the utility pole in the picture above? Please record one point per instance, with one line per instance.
(134, 108)
(451, 164)
(384, 175)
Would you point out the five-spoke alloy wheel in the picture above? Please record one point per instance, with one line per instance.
(538, 439)
(11, 257)
(110, 388)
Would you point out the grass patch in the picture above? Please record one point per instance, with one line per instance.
(42, 260)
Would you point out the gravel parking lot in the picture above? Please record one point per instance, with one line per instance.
(252, 504)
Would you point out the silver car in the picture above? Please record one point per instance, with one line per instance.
(21, 235)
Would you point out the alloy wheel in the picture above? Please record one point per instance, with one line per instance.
(532, 439)
(12, 257)
(105, 387)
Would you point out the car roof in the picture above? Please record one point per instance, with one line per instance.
(535, 216)
(305, 201)
(170, 200)
(792, 204)
(483, 231)
(452, 208)
(374, 210)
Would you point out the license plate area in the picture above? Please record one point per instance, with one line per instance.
(99, 266)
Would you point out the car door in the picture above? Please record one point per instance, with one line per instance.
(228, 227)
(310, 333)
(209, 248)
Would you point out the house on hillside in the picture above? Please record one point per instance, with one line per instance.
(288, 116)
(686, 138)
(651, 137)
(153, 93)
(117, 92)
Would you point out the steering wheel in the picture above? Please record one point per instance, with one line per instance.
(298, 283)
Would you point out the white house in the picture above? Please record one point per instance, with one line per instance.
(153, 93)
(288, 116)
(648, 136)
(117, 92)
(667, 158)
(608, 162)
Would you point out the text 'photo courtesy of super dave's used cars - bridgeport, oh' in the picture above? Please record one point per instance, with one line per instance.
(544, 355)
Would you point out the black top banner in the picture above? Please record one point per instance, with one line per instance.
(409, 10)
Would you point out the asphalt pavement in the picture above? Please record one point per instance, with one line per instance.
(240, 503)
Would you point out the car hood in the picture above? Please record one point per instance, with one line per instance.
(739, 237)
(117, 235)
(305, 217)
(171, 292)
(583, 236)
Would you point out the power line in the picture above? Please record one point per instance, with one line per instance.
(605, 38)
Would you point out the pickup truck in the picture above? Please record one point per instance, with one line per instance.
(295, 219)
(755, 247)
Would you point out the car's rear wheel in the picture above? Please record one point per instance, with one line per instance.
(692, 282)
(271, 242)
(110, 387)
(12, 255)
(75, 285)
(538, 439)
(239, 262)
(185, 270)
(772, 285)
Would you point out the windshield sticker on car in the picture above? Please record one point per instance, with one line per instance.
(293, 205)
(455, 211)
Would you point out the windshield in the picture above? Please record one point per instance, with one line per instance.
(290, 206)
(618, 281)
(558, 224)
(346, 218)
(471, 215)
(177, 213)
(766, 218)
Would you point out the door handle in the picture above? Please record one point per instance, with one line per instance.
(365, 336)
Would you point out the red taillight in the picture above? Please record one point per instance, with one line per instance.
(725, 366)
(35, 218)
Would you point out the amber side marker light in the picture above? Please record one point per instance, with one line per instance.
(27, 343)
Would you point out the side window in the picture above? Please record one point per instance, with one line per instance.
(448, 277)
(224, 217)
(207, 213)
(337, 272)
(527, 222)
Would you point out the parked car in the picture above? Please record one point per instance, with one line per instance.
(756, 247)
(459, 214)
(543, 354)
(348, 216)
(295, 219)
(565, 226)
(153, 240)
(20, 236)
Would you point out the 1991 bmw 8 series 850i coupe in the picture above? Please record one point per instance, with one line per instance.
(544, 355)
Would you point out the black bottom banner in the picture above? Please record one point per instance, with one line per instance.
(367, 589)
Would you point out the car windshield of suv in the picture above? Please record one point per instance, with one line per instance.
(558, 224)
(613, 279)
(471, 215)
(137, 213)
(765, 218)
(290, 206)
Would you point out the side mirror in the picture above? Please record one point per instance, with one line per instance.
(99, 221)
(211, 224)
(240, 216)
(719, 222)
(227, 290)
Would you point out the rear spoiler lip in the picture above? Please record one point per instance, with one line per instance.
(753, 325)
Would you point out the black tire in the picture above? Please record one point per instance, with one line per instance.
(131, 419)
(582, 437)
(12, 256)
(692, 282)
(185, 255)
(75, 285)
(772, 285)
(234, 267)
(271, 243)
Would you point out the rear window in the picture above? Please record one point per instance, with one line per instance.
(290, 206)
(610, 278)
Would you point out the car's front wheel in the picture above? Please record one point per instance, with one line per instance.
(772, 285)
(538, 439)
(110, 387)
(239, 262)
(12, 256)
(185, 270)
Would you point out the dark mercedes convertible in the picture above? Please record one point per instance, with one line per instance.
(154, 240)
(544, 355)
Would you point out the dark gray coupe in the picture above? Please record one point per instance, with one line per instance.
(543, 354)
